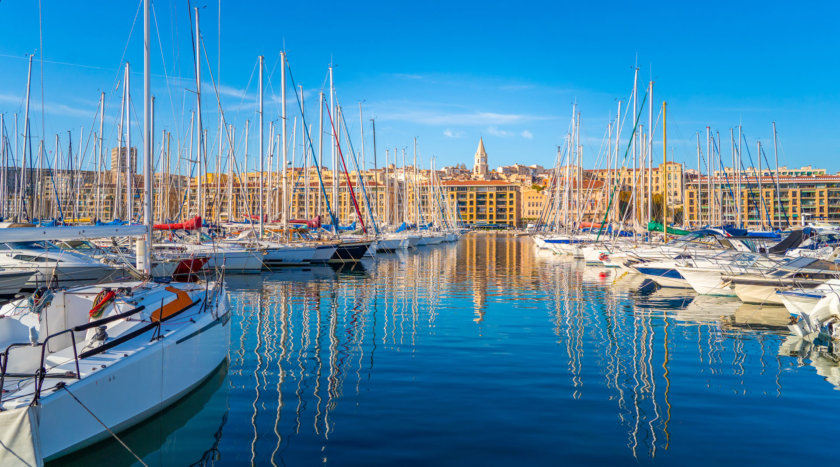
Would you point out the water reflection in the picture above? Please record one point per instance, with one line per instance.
(488, 351)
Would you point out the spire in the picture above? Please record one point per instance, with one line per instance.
(480, 165)
(481, 150)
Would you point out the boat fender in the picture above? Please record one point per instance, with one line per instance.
(104, 298)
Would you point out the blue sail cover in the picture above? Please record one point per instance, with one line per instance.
(346, 228)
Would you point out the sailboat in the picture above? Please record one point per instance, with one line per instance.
(82, 364)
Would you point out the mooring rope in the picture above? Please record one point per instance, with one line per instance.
(64, 386)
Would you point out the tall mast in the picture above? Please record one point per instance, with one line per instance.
(405, 189)
(760, 189)
(230, 161)
(664, 171)
(740, 206)
(24, 169)
(262, 157)
(335, 177)
(737, 188)
(247, 184)
(709, 173)
(362, 136)
(283, 144)
(634, 198)
(416, 189)
(320, 142)
(199, 132)
(146, 257)
(98, 209)
(699, 185)
(387, 191)
(129, 202)
(778, 190)
(650, 153)
(375, 168)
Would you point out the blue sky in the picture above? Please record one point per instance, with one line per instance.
(448, 72)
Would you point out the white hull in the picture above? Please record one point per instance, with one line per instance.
(235, 262)
(706, 281)
(12, 282)
(289, 255)
(758, 294)
(122, 384)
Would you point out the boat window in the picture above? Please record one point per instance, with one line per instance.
(34, 259)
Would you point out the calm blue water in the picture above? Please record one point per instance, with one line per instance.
(489, 352)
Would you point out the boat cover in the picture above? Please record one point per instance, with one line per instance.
(20, 443)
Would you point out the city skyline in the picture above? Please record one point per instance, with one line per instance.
(503, 78)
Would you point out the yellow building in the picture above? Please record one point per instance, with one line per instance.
(485, 201)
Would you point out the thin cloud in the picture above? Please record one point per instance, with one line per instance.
(527, 134)
(407, 76)
(460, 118)
(497, 132)
(452, 134)
(52, 108)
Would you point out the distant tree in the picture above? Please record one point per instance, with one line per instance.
(537, 187)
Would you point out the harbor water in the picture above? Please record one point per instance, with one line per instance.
(488, 351)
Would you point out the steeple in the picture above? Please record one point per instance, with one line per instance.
(480, 166)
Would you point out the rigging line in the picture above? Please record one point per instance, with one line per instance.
(778, 192)
(726, 176)
(41, 52)
(347, 175)
(626, 152)
(359, 172)
(230, 144)
(761, 202)
(165, 74)
(128, 41)
(312, 149)
(62, 385)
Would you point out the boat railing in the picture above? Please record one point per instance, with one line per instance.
(41, 373)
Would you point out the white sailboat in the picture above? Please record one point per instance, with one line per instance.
(82, 364)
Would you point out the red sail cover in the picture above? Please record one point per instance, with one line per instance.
(314, 223)
(192, 224)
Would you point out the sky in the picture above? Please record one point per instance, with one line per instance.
(444, 72)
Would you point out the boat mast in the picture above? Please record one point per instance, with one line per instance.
(709, 174)
(320, 142)
(387, 205)
(635, 138)
(144, 256)
(699, 185)
(362, 136)
(650, 155)
(129, 211)
(283, 144)
(24, 169)
(98, 208)
(664, 173)
(199, 132)
(760, 189)
(261, 209)
(778, 190)
(737, 199)
(740, 194)
(416, 188)
(375, 168)
(335, 177)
